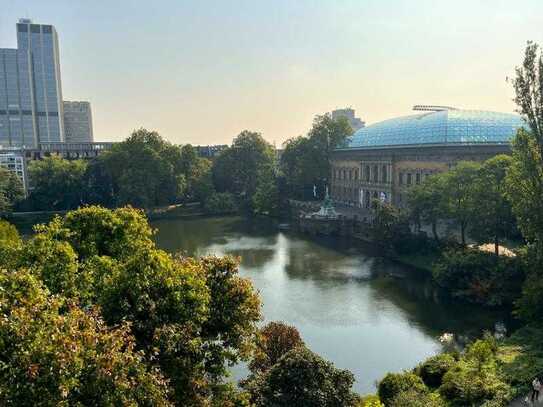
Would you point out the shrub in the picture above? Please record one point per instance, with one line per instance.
(302, 378)
(432, 370)
(220, 203)
(479, 277)
(395, 383)
(475, 378)
(414, 398)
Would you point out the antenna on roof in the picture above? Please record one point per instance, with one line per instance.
(433, 108)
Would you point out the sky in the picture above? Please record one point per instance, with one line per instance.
(202, 71)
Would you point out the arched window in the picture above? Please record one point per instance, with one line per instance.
(384, 174)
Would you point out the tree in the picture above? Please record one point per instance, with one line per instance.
(186, 319)
(475, 378)
(306, 160)
(494, 220)
(220, 203)
(57, 356)
(479, 277)
(459, 188)
(388, 227)
(525, 187)
(302, 378)
(235, 170)
(525, 176)
(266, 197)
(432, 370)
(395, 383)
(58, 184)
(276, 339)
(10, 242)
(426, 202)
(11, 190)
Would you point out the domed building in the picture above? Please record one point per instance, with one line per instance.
(384, 159)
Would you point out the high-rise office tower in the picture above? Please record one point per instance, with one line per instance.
(78, 122)
(348, 113)
(31, 110)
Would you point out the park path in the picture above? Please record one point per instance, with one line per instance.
(519, 402)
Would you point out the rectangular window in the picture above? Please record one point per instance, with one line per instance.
(409, 179)
(35, 28)
(400, 178)
(417, 178)
(47, 29)
(22, 28)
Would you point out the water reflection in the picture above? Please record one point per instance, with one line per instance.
(365, 314)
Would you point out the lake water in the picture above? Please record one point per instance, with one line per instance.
(360, 312)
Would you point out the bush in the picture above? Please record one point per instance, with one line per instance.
(413, 398)
(479, 277)
(395, 383)
(432, 370)
(302, 378)
(220, 203)
(475, 378)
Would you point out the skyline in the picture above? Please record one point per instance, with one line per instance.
(201, 73)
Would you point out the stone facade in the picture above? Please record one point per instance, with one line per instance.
(360, 175)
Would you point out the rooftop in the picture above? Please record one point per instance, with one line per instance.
(438, 127)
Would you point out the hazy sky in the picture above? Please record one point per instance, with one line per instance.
(201, 71)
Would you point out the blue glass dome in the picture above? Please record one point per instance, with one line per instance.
(439, 127)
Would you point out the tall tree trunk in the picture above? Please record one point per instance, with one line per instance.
(463, 233)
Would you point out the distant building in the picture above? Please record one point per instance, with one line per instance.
(210, 151)
(31, 108)
(384, 160)
(348, 113)
(14, 162)
(78, 122)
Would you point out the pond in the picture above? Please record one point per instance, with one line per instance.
(363, 313)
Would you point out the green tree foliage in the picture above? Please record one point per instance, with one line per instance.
(220, 203)
(266, 197)
(306, 160)
(460, 198)
(479, 277)
(389, 227)
(242, 167)
(525, 177)
(11, 190)
(426, 203)
(10, 242)
(494, 221)
(302, 378)
(525, 187)
(414, 398)
(57, 356)
(432, 370)
(145, 170)
(276, 339)
(57, 183)
(475, 378)
(395, 383)
(181, 321)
